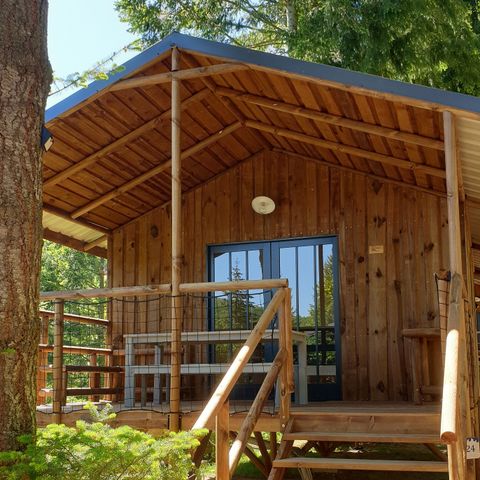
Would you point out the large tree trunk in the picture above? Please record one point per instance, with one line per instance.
(24, 83)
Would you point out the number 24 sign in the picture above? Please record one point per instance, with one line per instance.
(473, 448)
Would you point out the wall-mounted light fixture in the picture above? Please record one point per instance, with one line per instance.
(47, 139)
(263, 205)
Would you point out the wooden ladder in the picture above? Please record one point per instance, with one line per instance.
(320, 431)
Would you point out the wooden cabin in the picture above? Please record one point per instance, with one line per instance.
(322, 223)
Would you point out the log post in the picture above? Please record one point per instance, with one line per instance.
(58, 361)
(176, 249)
(455, 340)
(93, 377)
(222, 442)
(42, 360)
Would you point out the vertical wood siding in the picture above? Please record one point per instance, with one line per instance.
(381, 293)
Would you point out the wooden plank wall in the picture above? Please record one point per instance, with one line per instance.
(381, 293)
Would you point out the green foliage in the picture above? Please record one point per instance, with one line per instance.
(431, 42)
(98, 451)
(102, 70)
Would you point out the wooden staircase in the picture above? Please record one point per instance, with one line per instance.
(321, 427)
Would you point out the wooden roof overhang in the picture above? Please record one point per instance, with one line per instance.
(110, 160)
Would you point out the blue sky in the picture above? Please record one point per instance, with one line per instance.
(82, 32)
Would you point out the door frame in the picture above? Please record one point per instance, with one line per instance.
(272, 252)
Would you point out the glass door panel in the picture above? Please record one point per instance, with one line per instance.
(310, 265)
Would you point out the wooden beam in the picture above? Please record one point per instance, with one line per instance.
(192, 189)
(73, 243)
(206, 287)
(167, 77)
(339, 147)
(336, 120)
(177, 256)
(81, 222)
(129, 137)
(453, 203)
(212, 86)
(154, 171)
(136, 291)
(95, 243)
(359, 172)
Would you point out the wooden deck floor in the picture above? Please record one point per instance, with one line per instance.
(153, 418)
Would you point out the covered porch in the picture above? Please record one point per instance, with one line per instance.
(374, 182)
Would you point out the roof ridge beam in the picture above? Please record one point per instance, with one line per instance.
(336, 120)
(167, 77)
(349, 150)
(110, 148)
(154, 171)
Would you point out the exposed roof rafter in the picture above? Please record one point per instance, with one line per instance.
(340, 147)
(108, 149)
(336, 120)
(154, 171)
(166, 77)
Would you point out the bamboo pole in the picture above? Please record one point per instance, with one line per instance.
(58, 386)
(176, 248)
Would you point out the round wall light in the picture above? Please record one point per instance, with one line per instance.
(263, 205)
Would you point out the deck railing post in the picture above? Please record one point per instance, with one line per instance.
(42, 359)
(222, 435)
(284, 335)
(58, 386)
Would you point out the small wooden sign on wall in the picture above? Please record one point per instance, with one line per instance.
(374, 249)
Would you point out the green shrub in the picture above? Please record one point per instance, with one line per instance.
(96, 451)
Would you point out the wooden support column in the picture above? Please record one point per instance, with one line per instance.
(454, 399)
(222, 433)
(58, 386)
(176, 249)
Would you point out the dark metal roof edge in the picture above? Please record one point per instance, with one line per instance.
(282, 64)
(130, 66)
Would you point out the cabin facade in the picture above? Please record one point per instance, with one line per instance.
(357, 291)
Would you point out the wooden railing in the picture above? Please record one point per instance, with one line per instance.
(60, 371)
(280, 303)
(452, 431)
(218, 406)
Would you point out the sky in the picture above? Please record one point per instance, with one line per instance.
(81, 33)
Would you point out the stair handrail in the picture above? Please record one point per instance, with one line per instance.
(244, 354)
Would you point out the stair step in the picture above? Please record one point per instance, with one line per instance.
(371, 422)
(363, 437)
(354, 464)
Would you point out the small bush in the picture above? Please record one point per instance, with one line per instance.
(96, 451)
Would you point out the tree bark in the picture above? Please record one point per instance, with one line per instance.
(25, 77)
